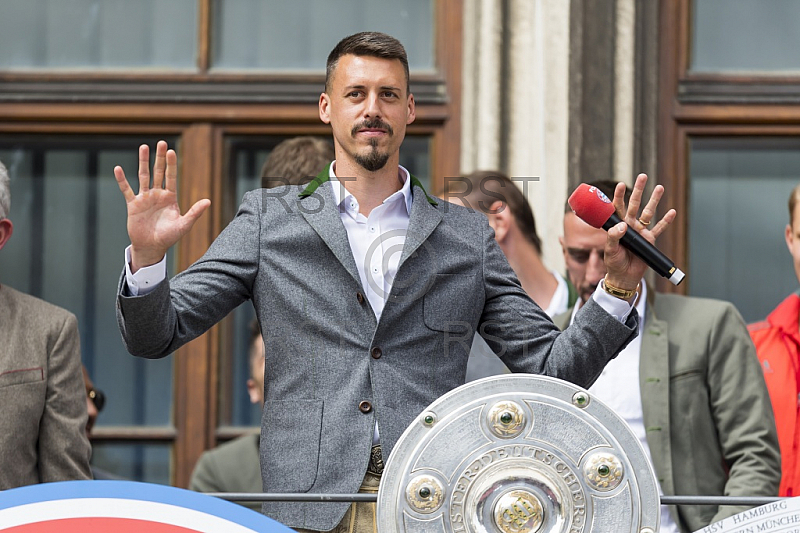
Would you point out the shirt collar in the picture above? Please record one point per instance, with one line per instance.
(338, 188)
(785, 316)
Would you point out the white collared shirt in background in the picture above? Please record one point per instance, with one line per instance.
(559, 302)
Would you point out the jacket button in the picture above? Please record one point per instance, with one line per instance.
(376, 353)
(360, 297)
(365, 407)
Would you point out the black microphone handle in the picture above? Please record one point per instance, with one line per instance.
(642, 248)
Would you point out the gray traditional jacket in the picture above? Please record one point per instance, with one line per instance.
(332, 371)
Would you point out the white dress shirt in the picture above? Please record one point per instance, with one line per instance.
(559, 303)
(377, 240)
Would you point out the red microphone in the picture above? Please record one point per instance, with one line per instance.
(593, 207)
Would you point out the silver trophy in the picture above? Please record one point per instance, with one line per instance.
(518, 454)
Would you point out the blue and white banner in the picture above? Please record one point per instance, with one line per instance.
(124, 507)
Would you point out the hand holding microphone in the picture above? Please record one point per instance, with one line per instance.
(597, 210)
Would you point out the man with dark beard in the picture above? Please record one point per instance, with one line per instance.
(368, 291)
(689, 387)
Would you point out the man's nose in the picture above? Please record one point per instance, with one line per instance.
(596, 269)
(373, 107)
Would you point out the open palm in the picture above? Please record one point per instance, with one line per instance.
(155, 222)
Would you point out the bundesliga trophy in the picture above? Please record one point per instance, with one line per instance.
(518, 454)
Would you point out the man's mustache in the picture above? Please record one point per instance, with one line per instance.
(372, 124)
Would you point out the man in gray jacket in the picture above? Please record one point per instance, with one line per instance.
(43, 427)
(368, 291)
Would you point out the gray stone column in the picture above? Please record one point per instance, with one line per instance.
(565, 91)
(517, 122)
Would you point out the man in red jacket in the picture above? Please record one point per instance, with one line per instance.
(777, 340)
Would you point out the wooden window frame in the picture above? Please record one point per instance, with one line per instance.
(695, 104)
(202, 109)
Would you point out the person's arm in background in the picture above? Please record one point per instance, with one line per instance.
(205, 476)
(64, 449)
(742, 411)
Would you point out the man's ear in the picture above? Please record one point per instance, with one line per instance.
(324, 108)
(6, 229)
(412, 109)
(563, 248)
(789, 237)
(500, 219)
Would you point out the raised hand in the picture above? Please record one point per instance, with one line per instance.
(625, 270)
(155, 222)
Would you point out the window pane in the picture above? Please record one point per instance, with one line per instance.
(738, 197)
(67, 248)
(98, 34)
(745, 36)
(299, 35)
(415, 155)
(134, 462)
(247, 156)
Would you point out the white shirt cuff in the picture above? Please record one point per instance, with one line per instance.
(619, 309)
(147, 278)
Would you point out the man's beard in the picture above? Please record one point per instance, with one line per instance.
(374, 160)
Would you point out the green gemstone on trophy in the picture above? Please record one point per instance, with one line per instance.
(603, 470)
(429, 419)
(424, 492)
(506, 418)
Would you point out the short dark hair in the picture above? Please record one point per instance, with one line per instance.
(296, 161)
(490, 186)
(606, 187)
(370, 44)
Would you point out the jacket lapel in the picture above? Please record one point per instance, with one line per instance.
(423, 219)
(317, 205)
(654, 383)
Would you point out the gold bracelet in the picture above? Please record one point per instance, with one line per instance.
(617, 292)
